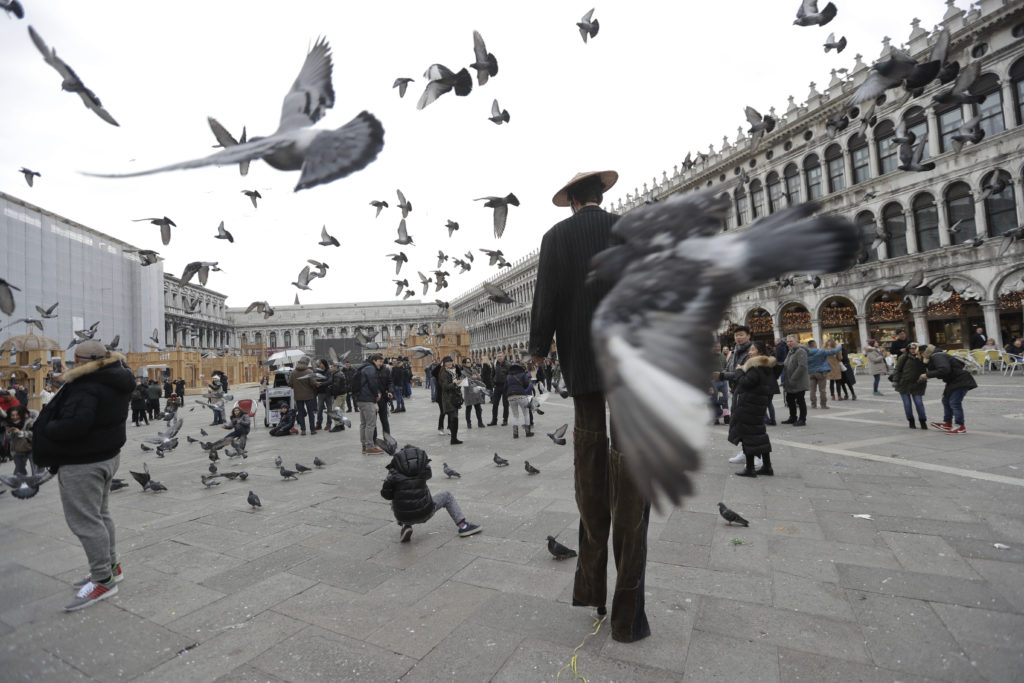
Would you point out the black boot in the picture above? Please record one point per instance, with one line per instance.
(924, 423)
(480, 423)
(791, 420)
(748, 471)
(766, 466)
(469, 423)
(910, 420)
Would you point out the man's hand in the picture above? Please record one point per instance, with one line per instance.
(923, 378)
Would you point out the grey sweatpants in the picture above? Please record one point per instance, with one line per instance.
(367, 422)
(84, 493)
(447, 501)
(520, 404)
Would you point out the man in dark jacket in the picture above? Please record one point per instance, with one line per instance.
(179, 388)
(498, 375)
(608, 501)
(399, 378)
(387, 396)
(411, 502)
(153, 392)
(80, 433)
(367, 391)
(350, 398)
(958, 382)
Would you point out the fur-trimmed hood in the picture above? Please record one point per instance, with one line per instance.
(758, 361)
(90, 367)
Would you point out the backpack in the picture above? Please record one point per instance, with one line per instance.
(357, 380)
(339, 384)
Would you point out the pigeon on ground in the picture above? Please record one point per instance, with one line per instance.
(302, 281)
(497, 294)
(808, 14)
(30, 175)
(13, 7)
(530, 469)
(402, 84)
(254, 500)
(379, 205)
(288, 474)
(25, 486)
(449, 472)
(321, 155)
(71, 82)
(399, 259)
(146, 481)
(209, 481)
(588, 26)
(403, 204)
(118, 484)
(168, 439)
(326, 240)
(164, 224)
(452, 227)
(441, 79)
(388, 444)
(403, 234)
(499, 461)
(300, 468)
(672, 280)
(498, 115)
(731, 516)
(145, 447)
(559, 551)
(832, 44)
(484, 62)
(500, 206)
(277, 461)
(317, 462)
(759, 125)
(7, 296)
(213, 468)
(253, 195)
(558, 436)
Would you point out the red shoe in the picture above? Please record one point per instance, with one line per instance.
(959, 429)
(945, 426)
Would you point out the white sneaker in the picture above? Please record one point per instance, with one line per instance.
(441, 432)
(739, 457)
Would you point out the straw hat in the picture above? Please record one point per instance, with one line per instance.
(608, 179)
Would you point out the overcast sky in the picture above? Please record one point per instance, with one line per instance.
(658, 80)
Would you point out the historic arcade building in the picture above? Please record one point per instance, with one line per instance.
(195, 317)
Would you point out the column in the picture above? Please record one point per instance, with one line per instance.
(933, 132)
(1018, 195)
(945, 239)
(992, 329)
(874, 165)
(908, 220)
(777, 327)
(862, 328)
(1009, 115)
(920, 326)
(816, 330)
(847, 170)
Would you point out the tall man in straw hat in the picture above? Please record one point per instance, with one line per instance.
(608, 502)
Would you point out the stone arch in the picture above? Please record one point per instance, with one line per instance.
(761, 324)
(838, 318)
(795, 318)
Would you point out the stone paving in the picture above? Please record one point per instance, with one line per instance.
(315, 586)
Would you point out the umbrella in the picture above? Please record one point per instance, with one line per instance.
(288, 356)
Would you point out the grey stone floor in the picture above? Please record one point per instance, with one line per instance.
(315, 586)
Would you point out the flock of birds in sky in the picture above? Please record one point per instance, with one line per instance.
(671, 277)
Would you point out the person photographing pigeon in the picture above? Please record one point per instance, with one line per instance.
(80, 434)
(608, 500)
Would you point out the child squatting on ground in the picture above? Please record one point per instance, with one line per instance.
(406, 488)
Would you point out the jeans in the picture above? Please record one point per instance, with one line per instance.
(382, 413)
(479, 415)
(721, 388)
(953, 406)
(499, 396)
(367, 422)
(350, 402)
(323, 401)
(877, 378)
(432, 385)
(918, 401)
(306, 407)
(84, 494)
(771, 409)
(399, 398)
(795, 400)
(819, 383)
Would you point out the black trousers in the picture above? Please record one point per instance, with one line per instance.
(382, 413)
(479, 415)
(499, 390)
(795, 401)
(608, 502)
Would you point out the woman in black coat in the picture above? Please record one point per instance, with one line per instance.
(139, 401)
(755, 384)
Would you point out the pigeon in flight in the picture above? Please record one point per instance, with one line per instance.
(146, 256)
(588, 26)
(559, 551)
(403, 234)
(302, 282)
(326, 240)
(30, 175)
(254, 500)
(253, 195)
(808, 14)
(402, 83)
(1009, 237)
(449, 472)
(441, 257)
(452, 227)
(379, 205)
(960, 91)
(420, 351)
(759, 125)
(200, 268)
(500, 206)
(969, 131)
(497, 294)
(495, 255)
(558, 436)
(469, 254)
(730, 516)
(884, 74)
(441, 79)
(440, 281)
(71, 82)
(403, 204)
(832, 44)
(409, 293)
(287, 474)
(223, 234)
(402, 284)
(13, 7)
(500, 461)
(321, 155)
(25, 486)
(485, 63)
(940, 50)
(670, 287)
(146, 481)
(321, 268)
(530, 469)
(29, 321)
(47, 313)
(462, 265)
(425, 281)
(165, 225)
(226, 139)
(836, 124)
(993, 186)
(442, 307)
(910, 157)
(498, 115)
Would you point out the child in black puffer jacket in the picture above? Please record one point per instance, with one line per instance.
(755, 384)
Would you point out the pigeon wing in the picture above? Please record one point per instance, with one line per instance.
(335, 154)
(500, 216)
(311, 93)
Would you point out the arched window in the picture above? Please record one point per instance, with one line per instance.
(917, 123)
(774, 192)
(756, 199)
(866, 222)
(287, 337)
(836, 168)
(896, 225)
(991, 110)
(950, 119)
(1000, 209)
(792, 176)
(812, 169)
(726, 199)
(888, 160)
(960, 209)
(329, 332)
(926, 222)
(272, 339)
(859, 158)
(302, 337)
(742, 210)
(1017, 78)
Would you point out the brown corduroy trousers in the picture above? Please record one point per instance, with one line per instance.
(608, 501)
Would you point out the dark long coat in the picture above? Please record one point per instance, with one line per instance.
(563, 301)
(755, 384)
